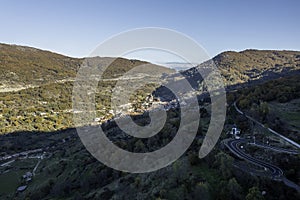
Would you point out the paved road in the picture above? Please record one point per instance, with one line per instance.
(278, 149)
(291, 184)
(235, 147)
(271, 130)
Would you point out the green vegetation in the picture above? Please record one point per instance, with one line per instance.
(29, 66)
(254, 193)
(272, 103)
(253, 65)
(26, 66)
(68, 171)
(288, 112)
(281, 90)
(43, 108)
(12, 181)
(49, 107)
(46, 103)
(241, 67)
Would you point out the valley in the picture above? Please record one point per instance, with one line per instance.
(42, 156)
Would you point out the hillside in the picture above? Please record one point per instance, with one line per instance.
(43, 142)
(68, 171)
(36, 87)
(249, 65)
(252, 66)
(23, 66)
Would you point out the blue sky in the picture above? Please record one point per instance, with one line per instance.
(75, 28)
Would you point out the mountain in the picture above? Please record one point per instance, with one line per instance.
(36, 87)
(179, 66)
(45, 159)
(23, 67)
(252, 66)
(20, 65)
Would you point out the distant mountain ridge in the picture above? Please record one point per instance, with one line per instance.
(250, 66)
(255, 64)
(22, 66)
(179, 66)
(26, 65)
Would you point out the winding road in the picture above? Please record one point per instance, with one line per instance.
(235, 147)
(273, 148)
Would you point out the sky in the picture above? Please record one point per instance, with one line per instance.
(76, 28)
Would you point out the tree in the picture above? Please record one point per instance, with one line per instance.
(234, 189)
(244, 103)
(193, 158)
(201, 191)
(180, 171)
(263, 110)
(224, 164)
(254, 194)
(139, 146)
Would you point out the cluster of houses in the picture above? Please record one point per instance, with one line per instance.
(151, 102)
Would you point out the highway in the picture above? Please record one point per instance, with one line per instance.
(235, 147)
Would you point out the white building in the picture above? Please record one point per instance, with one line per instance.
(235, 132)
